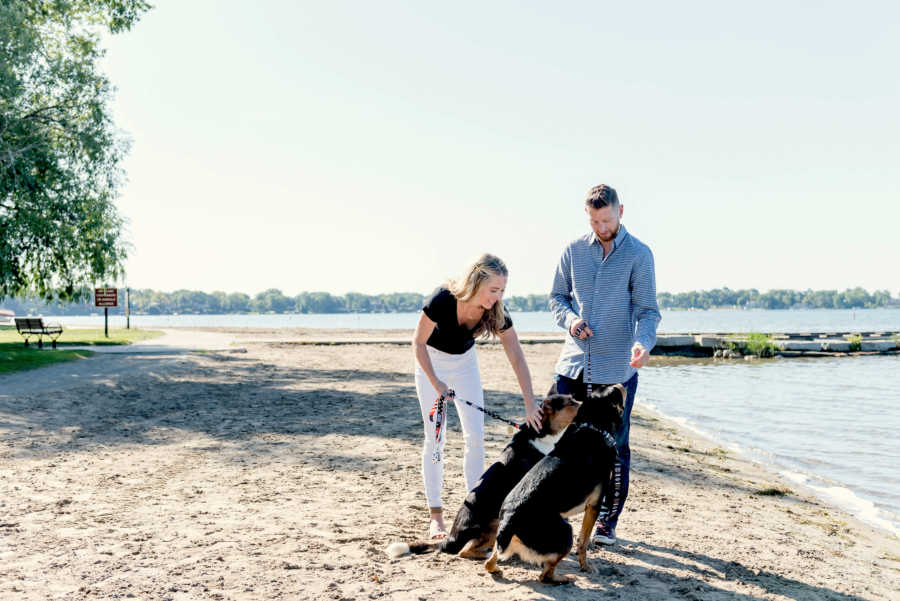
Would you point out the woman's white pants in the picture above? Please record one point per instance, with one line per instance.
(460, 373)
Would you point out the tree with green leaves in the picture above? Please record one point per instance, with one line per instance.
(60, 152)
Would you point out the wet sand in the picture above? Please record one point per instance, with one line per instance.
(282, 472)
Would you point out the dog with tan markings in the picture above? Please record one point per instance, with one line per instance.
(571, 479)
(475, 525)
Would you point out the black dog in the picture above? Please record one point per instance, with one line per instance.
(475, 525)
(569, 480)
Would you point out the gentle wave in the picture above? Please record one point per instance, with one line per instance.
(846, 499)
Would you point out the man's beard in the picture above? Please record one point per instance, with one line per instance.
(611, 237)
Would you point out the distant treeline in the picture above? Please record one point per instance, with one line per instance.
(720, 298)
(154, 302)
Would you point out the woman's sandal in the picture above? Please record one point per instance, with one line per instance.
(435, 532)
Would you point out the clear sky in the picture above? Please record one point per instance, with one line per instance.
(380, 146)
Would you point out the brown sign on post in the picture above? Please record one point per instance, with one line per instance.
(106, 297)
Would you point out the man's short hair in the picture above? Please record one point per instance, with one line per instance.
(602, 196)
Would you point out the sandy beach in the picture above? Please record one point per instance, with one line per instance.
(281, 471)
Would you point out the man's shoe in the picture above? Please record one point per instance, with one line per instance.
(604, 535)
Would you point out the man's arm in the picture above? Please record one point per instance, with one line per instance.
(643, 301)
(561, 293)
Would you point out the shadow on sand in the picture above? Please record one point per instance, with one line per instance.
(236, 401)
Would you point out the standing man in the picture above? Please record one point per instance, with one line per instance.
(604, 294)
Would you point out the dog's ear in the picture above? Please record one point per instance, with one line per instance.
(612, 396)
(550, 404)
(601, 393)
(567, 400)
(556, 402)
(553, 389)
(620, 394)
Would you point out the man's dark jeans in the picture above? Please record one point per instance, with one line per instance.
(614, 504)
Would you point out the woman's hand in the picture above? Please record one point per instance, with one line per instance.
(442, 388)
(533, 414)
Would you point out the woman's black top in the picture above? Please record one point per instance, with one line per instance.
(448, 335)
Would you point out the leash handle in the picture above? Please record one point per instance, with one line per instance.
(436, 415)
(587, 381)
(585, 377)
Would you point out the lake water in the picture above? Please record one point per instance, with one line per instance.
(827, 424)
(724, 320)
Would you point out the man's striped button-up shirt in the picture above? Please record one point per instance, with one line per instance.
(616, 295)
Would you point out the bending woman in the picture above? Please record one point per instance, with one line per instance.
(444, 343)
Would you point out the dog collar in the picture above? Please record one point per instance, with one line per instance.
(608, 438)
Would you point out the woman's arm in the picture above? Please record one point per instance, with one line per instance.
(516, 357)
(423, 331)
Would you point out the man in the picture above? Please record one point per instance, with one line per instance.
(604, 294)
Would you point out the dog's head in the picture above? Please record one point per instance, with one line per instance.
(557, 412)
(604, 408)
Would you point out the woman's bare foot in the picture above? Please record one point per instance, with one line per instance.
(436, 528)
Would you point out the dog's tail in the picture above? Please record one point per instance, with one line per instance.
(401, 549)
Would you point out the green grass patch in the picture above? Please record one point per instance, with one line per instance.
(753, 343)
(760, 345)
(855, 342)
(15, 357)
(21, 359)
(82, 337)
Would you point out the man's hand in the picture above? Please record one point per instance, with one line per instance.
(579, 329)
(639, 356)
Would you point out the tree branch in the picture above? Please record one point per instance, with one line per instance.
(36, 113)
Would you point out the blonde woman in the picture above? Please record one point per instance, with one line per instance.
(444, 343)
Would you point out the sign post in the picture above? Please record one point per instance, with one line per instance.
(128, 308)
(106, 298)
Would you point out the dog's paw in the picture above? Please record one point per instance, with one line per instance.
(586, 567)
(554, 579)
(491, 566)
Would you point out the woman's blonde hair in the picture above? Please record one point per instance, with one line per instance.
(470, 283)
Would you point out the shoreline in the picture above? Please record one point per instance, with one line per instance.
(286, 469)
(728, 346)
(840, 496)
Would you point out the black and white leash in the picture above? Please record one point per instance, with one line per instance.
(438, 412)
(585, 377)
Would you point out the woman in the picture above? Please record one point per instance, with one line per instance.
(444, 343)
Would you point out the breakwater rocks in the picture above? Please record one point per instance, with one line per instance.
(808, 344)
(730, 345)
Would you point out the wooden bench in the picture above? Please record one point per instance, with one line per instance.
(35, 326)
